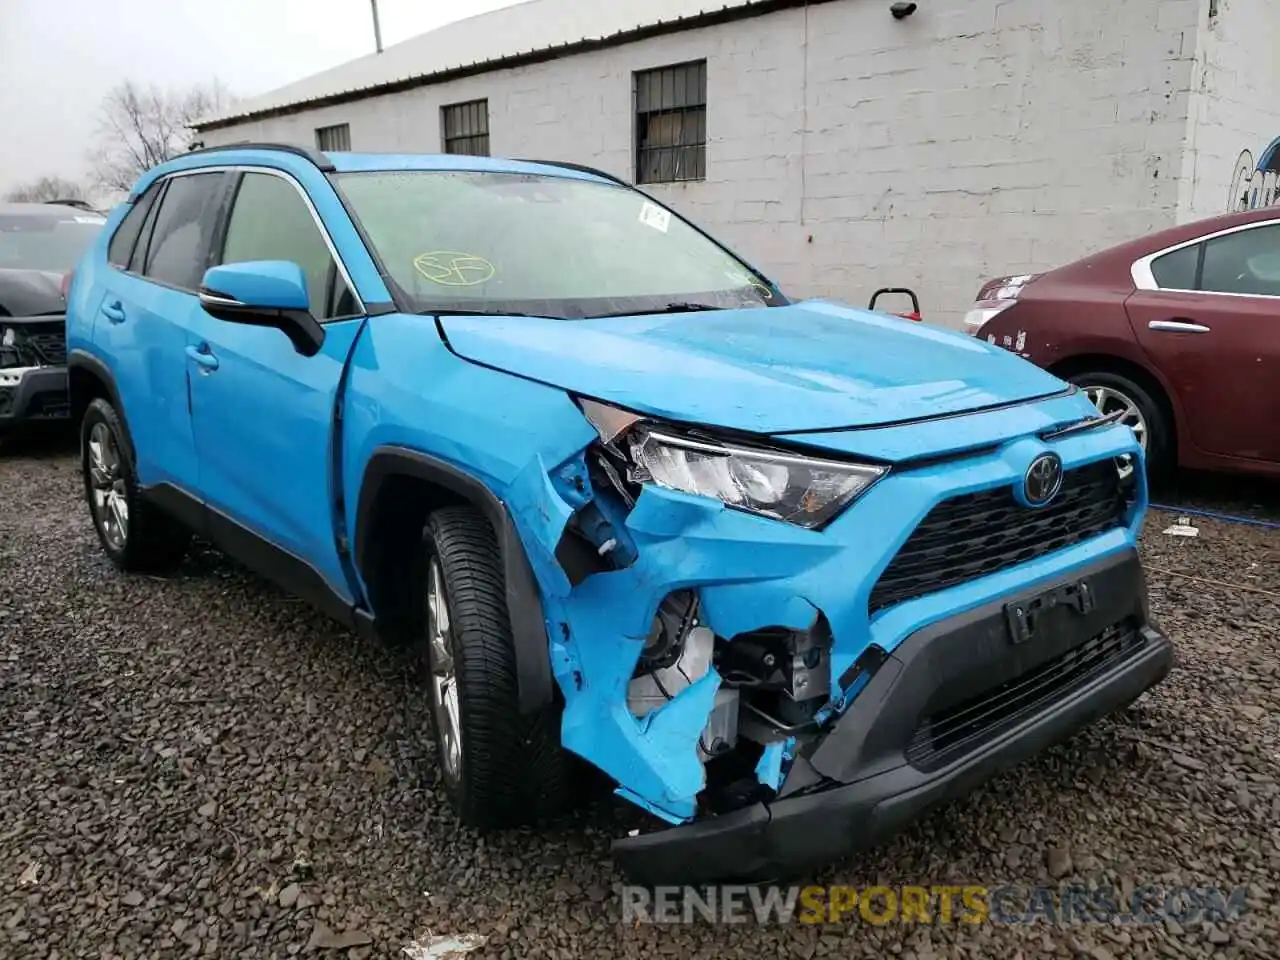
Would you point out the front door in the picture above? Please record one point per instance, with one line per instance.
(263, 414)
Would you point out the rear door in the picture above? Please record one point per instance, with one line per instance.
(1208, 315)
(263, 417)
(148, 305)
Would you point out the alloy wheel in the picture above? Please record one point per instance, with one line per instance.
(1109, 400)
(107, 487)
(444, 674)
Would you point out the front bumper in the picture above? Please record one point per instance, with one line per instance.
(955, 703)
(33, 394)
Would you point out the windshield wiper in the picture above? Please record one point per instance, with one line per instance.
(441, 312)
(669, 308)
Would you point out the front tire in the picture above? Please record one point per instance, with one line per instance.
(135, 534)
(500, 768)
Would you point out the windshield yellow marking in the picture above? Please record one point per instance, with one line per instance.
(452, 269)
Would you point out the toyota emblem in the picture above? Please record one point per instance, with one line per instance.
(1043, 479)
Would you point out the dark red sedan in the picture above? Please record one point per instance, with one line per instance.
(1180, 330)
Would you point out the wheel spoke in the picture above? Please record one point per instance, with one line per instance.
(99, 475)
(120, 511)
(437, 588)
(454, 741)
(1111, 401)
(444, 678)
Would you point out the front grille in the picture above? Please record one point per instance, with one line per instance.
(978, 534)
(49, 348)
(957, 730)
(6, 401)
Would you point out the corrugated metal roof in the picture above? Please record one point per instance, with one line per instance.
(523, 29)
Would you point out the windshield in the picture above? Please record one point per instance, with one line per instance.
(543, 245)
(43, 242)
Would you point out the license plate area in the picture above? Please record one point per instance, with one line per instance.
(1026, 617)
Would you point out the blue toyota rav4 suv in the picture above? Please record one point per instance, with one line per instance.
(787, 573)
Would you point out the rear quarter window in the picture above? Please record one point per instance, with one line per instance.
(126, 235)
(1177, 270)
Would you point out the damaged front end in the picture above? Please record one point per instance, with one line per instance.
(683, 679)
(33, 377)
(779, 680)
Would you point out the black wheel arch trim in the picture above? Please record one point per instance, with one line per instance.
(524, 599)
(79, 359)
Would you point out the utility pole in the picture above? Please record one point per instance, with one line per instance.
(377, 27)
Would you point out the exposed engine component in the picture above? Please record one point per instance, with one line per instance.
(32, 344)
(595, 539)
(678, 653)
(677, 616)
(721, 732)
(784, 677)
(794, 663)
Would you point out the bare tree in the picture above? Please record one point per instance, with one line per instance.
(47, 188)
(140, 127)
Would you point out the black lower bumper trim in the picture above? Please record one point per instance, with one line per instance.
(40, 395)
(871, 789)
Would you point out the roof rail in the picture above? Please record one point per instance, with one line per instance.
(581, 168)
(323, 163)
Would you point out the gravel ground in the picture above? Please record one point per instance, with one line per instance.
(200, 765)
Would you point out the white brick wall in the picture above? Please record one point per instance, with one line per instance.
(1235, 99)
(850, 151)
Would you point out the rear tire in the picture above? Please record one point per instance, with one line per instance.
(1115, 390)
(135, 534)
(500, 768)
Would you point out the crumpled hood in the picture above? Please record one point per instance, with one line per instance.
(815, 365)
(29, 293)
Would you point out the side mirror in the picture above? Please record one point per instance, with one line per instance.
(264, 293)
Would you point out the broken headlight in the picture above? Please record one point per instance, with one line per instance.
(774, 483)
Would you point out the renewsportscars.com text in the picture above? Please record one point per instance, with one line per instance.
(968, 904)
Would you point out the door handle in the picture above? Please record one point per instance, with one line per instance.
(204, 357)
(113, 311)
(1177, 325)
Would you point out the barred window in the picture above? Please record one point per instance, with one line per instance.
(466, 127)
(671, 123)
(337, 137)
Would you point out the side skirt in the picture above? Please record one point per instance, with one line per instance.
(291, 573)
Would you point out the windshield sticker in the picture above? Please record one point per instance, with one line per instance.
(754, 282)
(652, 215)
(452, 269)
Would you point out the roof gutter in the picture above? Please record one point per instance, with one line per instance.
(710, 18)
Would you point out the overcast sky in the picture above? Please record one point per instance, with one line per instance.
(58, 57)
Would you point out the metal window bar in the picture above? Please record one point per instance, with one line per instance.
(336, 137)
(466, 128)
(671, 123)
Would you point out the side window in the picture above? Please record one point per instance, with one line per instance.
(1177, 270)
(125, 238)
(271, 221)
(178, 251)
(1244, 262)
